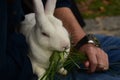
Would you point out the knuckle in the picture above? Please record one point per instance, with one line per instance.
(106, 55)
(105, 68)
(94, 63)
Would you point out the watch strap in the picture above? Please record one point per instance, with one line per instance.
(81, 42)
(89, 38)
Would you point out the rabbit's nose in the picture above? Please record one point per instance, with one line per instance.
(66, 47)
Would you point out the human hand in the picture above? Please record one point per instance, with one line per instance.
(97, 58)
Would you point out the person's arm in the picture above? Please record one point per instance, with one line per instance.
(70, 23)
(97, 58)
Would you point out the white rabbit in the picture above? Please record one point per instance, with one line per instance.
(44, 34)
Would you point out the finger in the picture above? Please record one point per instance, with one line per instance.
(87, 64)
(102, 60)
(93, 61)
(93, 65)
(106, 61)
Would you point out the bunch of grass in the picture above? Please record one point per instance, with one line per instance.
(74, 59)
(57, 61)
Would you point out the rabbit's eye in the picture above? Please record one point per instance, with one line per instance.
(44, 34)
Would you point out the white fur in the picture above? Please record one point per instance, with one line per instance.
(44, 34)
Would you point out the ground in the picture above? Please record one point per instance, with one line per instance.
(95, 8)
(101, 16)
(106, 26)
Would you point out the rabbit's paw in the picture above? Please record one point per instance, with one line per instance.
(63, 71)
(40, 73)
(39, 78)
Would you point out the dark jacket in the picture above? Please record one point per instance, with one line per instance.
(14, 63)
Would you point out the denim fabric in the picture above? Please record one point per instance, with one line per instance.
(111, 45)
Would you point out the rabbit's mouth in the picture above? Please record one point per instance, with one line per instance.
(66, 49)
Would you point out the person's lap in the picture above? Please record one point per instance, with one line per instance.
(111, 45)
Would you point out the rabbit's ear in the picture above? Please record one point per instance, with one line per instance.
(50, 6)
(39, 9)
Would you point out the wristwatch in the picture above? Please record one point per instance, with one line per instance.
(90, 39)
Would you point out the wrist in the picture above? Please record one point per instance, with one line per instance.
(76, 37)
(86, 47)
(87, 39)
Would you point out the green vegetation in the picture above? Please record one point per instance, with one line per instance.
(98, 8)
(57, 61)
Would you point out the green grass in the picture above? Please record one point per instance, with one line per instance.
(100, 8)
(57, 61)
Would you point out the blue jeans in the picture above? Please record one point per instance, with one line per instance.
(111, 45)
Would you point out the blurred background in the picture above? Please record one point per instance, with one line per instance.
(101, 16)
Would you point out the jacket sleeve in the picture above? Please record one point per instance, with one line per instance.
(72, 5)
(63, 3)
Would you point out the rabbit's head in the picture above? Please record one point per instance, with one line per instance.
(49, 30)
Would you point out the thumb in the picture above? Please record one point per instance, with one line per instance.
(87, 64)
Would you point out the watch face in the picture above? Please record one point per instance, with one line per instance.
(93, 40)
